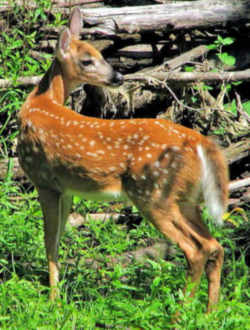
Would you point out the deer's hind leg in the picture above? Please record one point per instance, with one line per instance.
(184, 226)
(176, 228)
(213, 250)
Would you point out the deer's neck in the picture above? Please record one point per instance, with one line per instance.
(53, 84)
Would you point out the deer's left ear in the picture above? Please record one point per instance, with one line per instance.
(75, 22)
(63, 43)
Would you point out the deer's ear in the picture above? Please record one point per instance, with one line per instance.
(63, 43)
(75, 22)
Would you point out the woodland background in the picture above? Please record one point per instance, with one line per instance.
(187, 61)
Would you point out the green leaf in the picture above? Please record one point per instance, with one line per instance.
(224, 41)
(220, 39)
(212, 46)
(236, 83)
(228, 87)
(227, 41)
(246, 107)
(219, 131)
(189, 68)
(76, 200)
(231, 107)
(207, 88)
(227, 59)
(156, 282)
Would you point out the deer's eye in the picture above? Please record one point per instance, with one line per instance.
(86, 62)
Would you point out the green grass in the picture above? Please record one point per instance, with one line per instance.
(137, 296)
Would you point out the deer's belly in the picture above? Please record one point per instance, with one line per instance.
(105, 195)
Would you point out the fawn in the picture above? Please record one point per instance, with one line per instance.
(163, 168)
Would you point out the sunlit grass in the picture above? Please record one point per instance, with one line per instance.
(139, 295)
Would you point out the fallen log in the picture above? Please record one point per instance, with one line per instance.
(171, 16)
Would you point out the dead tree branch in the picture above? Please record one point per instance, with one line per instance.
(190, 76)
(24, 81)
(184, 77)
(238, 184)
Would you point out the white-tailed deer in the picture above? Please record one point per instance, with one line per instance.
(163, 168)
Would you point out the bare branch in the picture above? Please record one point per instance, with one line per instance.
(184, 77)
(237, 184)
(24, 81)
(238, 151)
(178, 61)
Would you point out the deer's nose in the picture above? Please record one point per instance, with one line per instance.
(116, 79)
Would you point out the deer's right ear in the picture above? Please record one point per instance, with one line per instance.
(63, 43)
(75, 22)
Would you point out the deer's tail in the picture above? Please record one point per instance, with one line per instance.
(214, 178)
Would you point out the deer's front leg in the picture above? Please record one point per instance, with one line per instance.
(51, 203)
